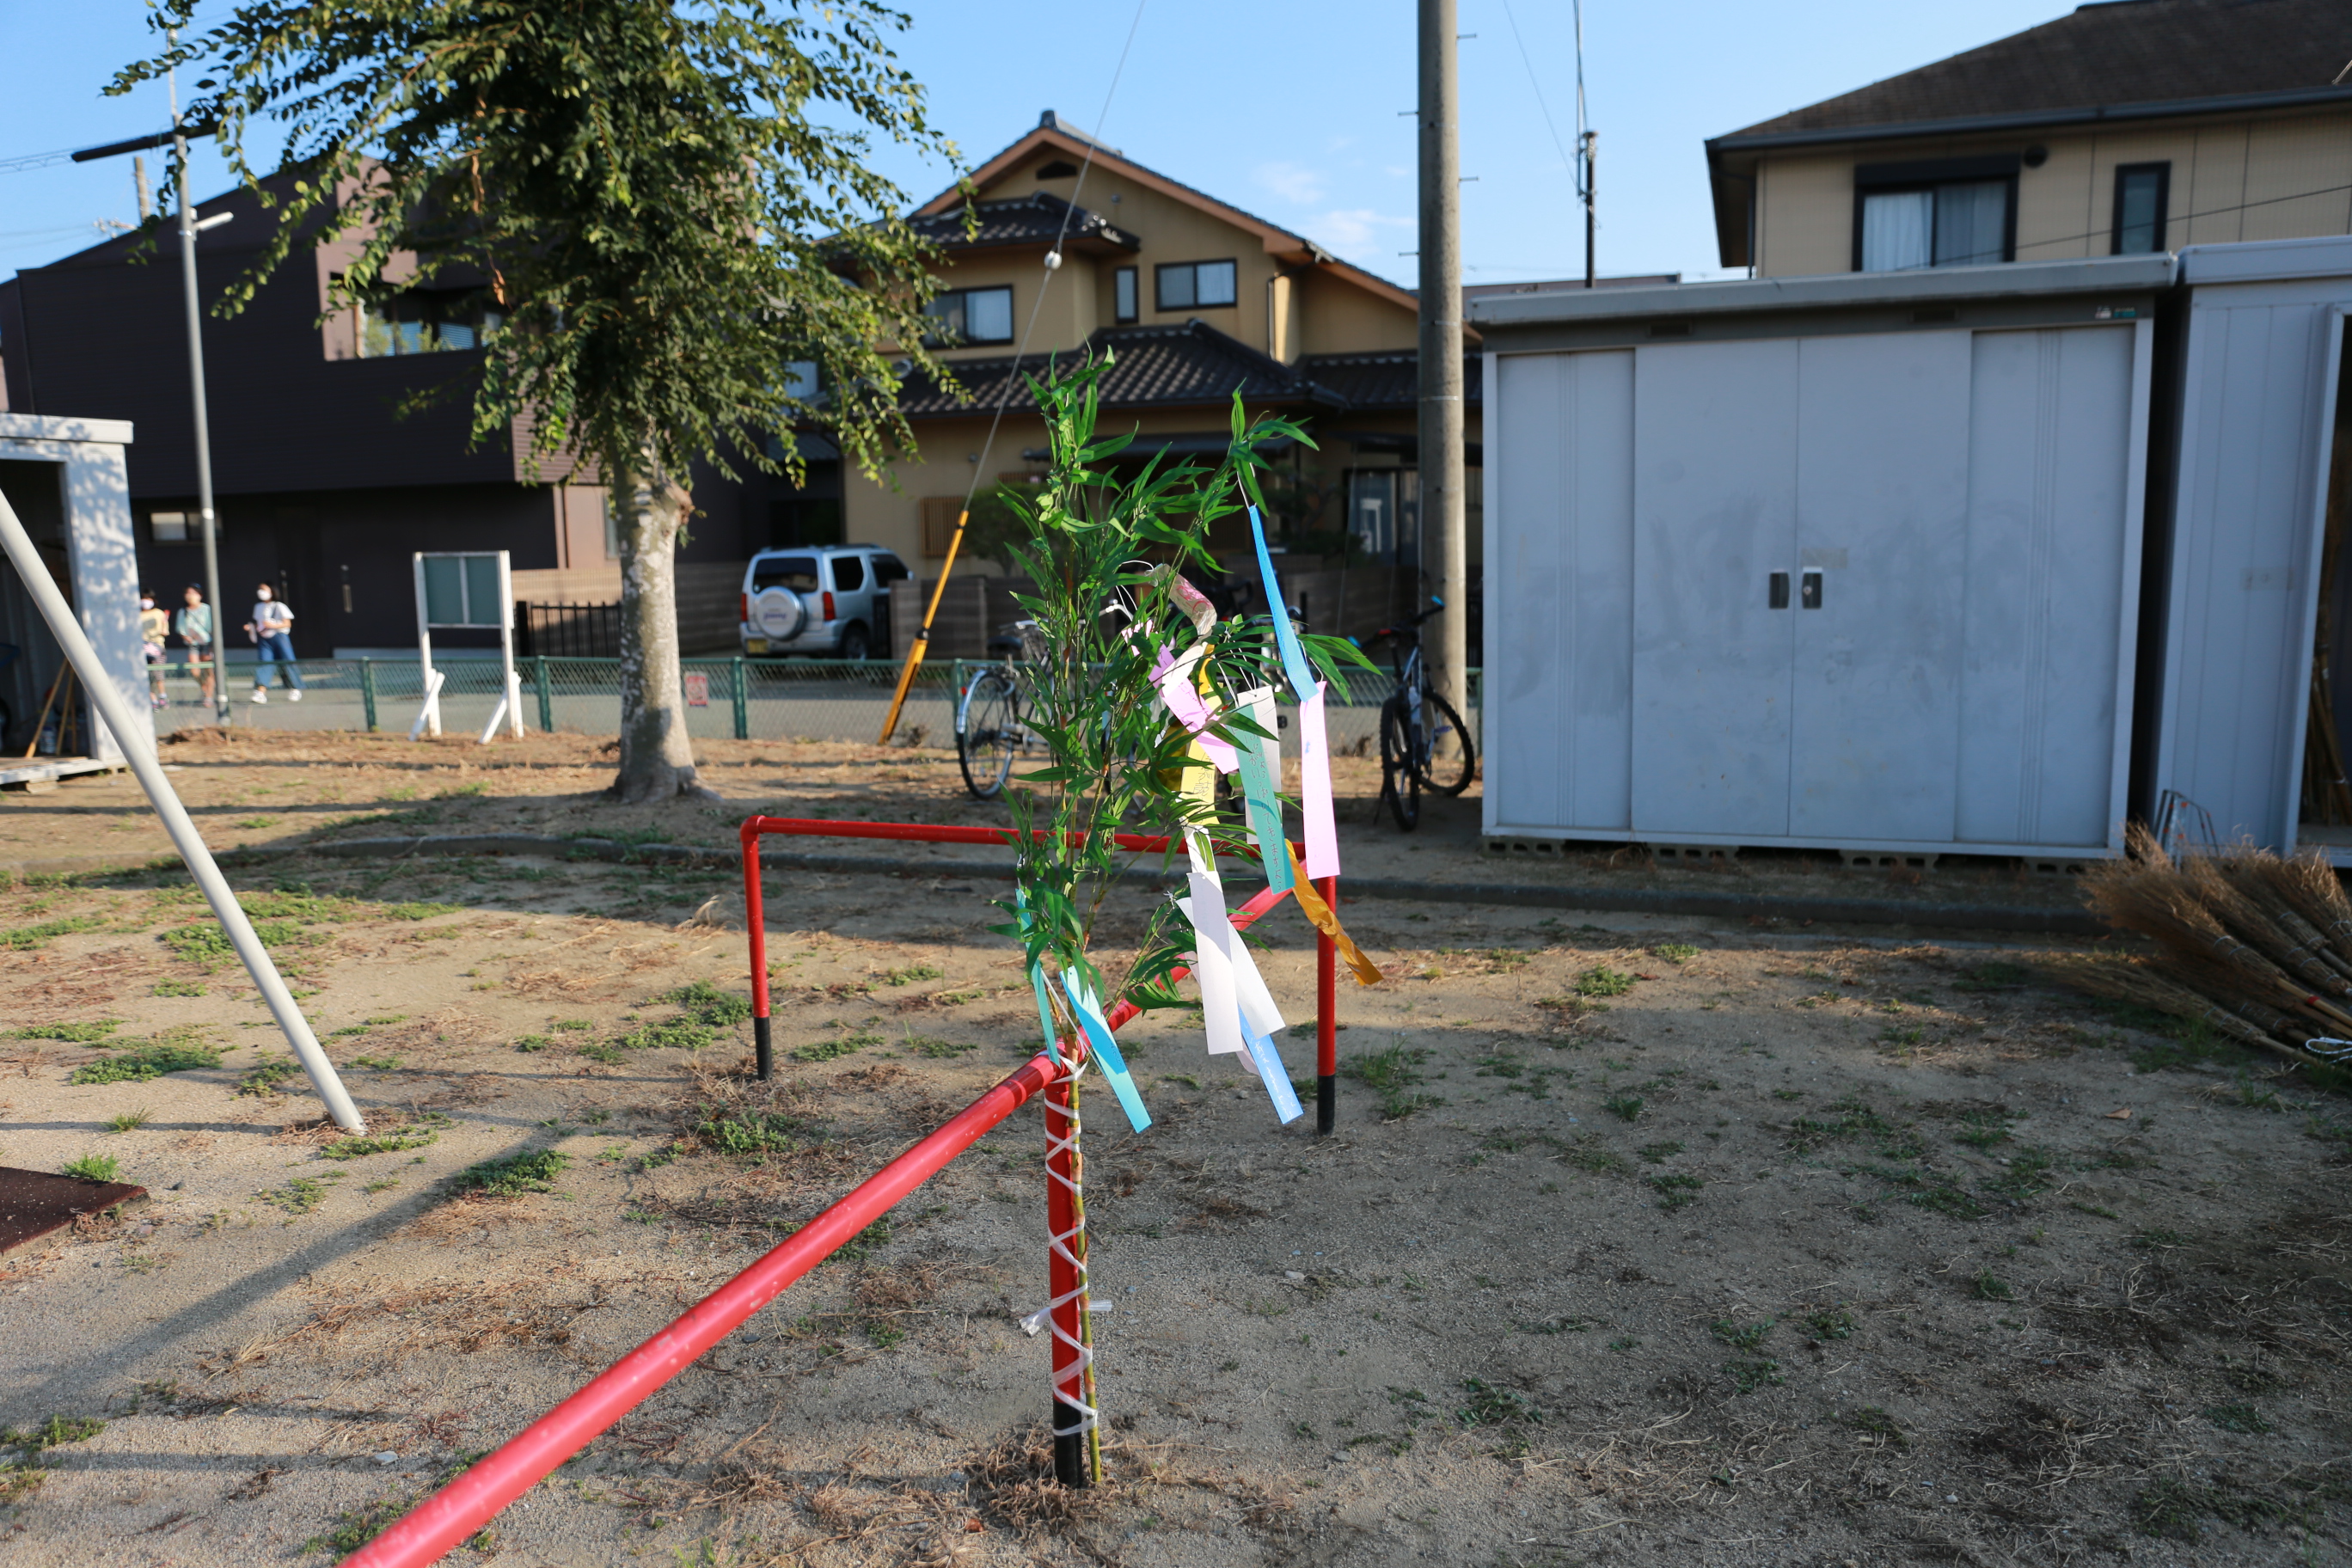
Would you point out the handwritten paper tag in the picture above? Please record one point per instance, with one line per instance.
(1261, 765)
(1315, 788)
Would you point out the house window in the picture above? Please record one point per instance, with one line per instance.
(799, 379)
(179, 527)
(1959, 224)
(2142, 194)
(1194, 285)
(427, 321)
(1124, 289)
(967, 316)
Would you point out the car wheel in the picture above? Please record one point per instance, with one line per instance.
(853, 642)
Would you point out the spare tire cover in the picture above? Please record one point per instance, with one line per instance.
(778, 613)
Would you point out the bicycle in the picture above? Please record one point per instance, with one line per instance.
(989, 730)
(1416, 724)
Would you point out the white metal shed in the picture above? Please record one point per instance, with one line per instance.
(66, 479)
(2249, 584)
(1844, 562)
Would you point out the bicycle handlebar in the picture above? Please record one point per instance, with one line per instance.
(1413, 625)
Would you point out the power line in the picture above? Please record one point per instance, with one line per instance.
(24, 161)
(1568, 163)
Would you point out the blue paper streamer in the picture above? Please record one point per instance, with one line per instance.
(1276, 1077)
(1295, 667)
(1106, 1052)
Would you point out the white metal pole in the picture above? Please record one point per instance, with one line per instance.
(506, 643)
(206, 518)
(432, 714)
(137, 750)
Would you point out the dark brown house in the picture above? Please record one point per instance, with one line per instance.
(321, 487)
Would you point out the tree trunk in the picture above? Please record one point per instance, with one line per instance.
(656, 758)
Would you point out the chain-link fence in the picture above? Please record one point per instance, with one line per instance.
(745, 698)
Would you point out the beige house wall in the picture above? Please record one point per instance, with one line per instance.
(2277, 178)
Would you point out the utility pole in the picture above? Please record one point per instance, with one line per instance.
(1591, 151)
(1442, 507)
(146, 196)
(204, 513)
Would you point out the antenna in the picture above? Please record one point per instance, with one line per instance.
(1586, 146)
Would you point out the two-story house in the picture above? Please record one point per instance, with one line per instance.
(1194, 298)
(2125, 126)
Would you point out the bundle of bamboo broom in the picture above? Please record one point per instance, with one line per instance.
(2255, 947)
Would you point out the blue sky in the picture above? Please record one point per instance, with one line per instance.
(1290, 111)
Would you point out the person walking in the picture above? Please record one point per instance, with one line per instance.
(194, 624)
(271, 630)
(155, 627)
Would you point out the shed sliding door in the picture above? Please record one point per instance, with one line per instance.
(1865, 590)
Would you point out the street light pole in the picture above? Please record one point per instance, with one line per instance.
(205, 514)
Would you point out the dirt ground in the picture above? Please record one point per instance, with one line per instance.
(1644, 1241)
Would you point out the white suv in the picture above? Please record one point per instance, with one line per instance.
(823, 599)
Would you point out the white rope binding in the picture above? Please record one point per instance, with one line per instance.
(1058, 1144)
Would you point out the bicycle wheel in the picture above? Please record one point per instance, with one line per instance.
(988, 733)
(1448, 759)
(1400, 780)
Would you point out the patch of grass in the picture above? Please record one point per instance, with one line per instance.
(297, 1196)
(2157, 1240)
(80, 1034)
(377, 1064)
(2029, 1175)
(1623, 1107)
(56, 1431)
(1787, 1094)
(1603, 981)
(391, 1142)
(571, 1025)
(676, 1034)
(1391, 1074)
(125, 1121)
(1490, 1405)
(1853, 1119)
(1942, 1197)
(262, 1080)
(1990, 1287)
(1984, 1127)
(176, 988)
(1745, 1337)
(597, 1051)
(1676, 952)
(837, 1047)
(94, 1168)
(207, 944)
(513, 1176)
(912, 973)
(21, 939)
(866, 1243)
(529, 1043)
(1590, 1154)
(1659, 1153)
(1748, 1374)
(1833, 1324)
(152, 1058)
(354, 1528)
(707, 1004)
(938, 1049)
(2185, 1043)
(754, 1134)
(1676, 1189)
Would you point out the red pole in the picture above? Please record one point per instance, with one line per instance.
(1072, 1408)
(467, 1503)
(1327, 1025)
(755, 922)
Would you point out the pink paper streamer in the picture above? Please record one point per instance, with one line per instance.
(1176, 690)
(1315, 789)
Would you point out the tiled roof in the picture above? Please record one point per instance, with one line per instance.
(1389, 379)
(1150, 367)
(2143, 52)
(1034, 219)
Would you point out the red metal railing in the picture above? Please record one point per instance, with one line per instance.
(458, 1509)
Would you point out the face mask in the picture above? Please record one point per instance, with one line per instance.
(265, 596)
(146, 604)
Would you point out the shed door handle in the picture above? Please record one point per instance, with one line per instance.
(1809, 595)
(1778, 594)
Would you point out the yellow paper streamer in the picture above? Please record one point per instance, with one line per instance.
(1310, 903)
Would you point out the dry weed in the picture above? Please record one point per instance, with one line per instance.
(1011, 1482)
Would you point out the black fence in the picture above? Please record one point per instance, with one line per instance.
(567, 631)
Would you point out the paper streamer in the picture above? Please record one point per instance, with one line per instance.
(1276, 1079)
(1295, 667)
(1174, 678)
(1213, 966)
(1315, 788)
(1320, 914)
(1256, 1017)
(1261, 765)
(1105, 1049)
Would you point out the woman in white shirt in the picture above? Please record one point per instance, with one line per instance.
(270, 629)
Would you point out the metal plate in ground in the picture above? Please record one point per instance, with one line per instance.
(34, 1203)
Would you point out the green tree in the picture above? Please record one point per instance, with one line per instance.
(671, 204)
